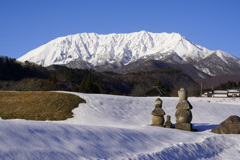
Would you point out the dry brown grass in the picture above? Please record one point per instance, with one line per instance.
(38, 105)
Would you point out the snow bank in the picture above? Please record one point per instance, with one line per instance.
(122, 111)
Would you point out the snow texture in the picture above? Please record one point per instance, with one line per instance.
(118, 127)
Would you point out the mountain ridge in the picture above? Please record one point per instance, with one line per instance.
(112, 51)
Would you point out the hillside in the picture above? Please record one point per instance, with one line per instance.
(11, 69)
(217, 80)
(31, 77)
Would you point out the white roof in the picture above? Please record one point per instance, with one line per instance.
(233, 90)
(220, 91)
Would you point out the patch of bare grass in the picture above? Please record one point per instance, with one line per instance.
(38, 105)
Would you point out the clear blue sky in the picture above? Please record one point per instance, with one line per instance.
(28, 24)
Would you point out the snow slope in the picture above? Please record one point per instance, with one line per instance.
(117, 127)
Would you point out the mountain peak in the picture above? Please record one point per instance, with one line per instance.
(117, 49)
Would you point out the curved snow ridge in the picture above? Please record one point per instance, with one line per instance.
(216, 147)
(22, 139)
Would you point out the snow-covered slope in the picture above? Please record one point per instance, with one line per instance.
(88, 50)
(114, 48)
(117, 127)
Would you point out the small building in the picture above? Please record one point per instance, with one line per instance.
(208, 94)
(233, 93)
(220, 93)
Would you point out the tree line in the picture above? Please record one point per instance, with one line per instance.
(229, 85)
(16, 75)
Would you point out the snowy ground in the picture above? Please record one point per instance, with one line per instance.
(118, 127)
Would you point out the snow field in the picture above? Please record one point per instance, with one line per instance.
(118, 127)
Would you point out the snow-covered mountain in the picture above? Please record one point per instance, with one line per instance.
(91, 50)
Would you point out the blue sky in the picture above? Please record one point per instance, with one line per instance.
(28, 24)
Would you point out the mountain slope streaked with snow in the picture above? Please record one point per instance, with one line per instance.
(88, 50)
(118, 127)
(103, 49)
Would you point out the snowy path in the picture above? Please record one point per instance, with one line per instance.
(117, 127)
